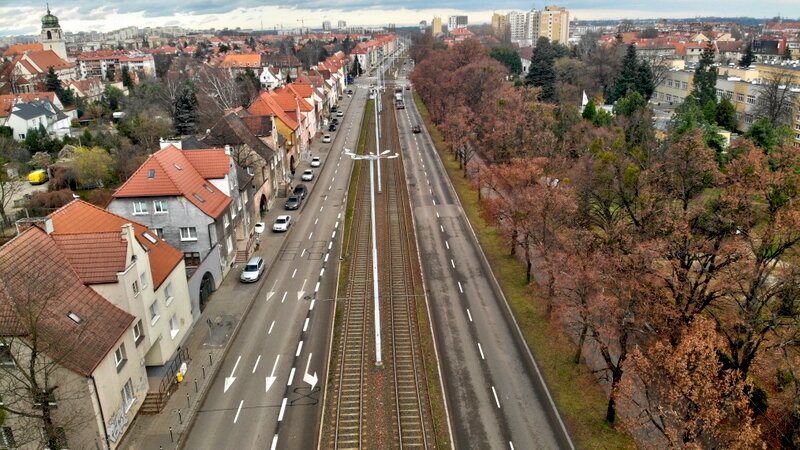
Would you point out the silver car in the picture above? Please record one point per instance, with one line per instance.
(282, 223)
(252, 270)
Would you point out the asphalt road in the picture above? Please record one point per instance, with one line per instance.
(494, 396)
(268, 392)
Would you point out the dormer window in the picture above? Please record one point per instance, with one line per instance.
(178, 167)
(198, 197)
(208, 188)
(75, 318)
(151, 173)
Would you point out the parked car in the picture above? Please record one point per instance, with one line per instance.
(350, 91)
(333, 108)
(339, 113)
(300, 190)
(315, 161)
(37, 177)
(308, 175)
(259, 228)
(293, 202)
(335, 121)
(326, 139)
(282, 223)
(332, 127)
(252, 270)
(416, 129)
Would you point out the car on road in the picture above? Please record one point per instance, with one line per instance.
(339, 113)
(252, 270)
(259, 228)
(315, 161)
(335, 121)
(332, 127)
(293, 202)
(300, 190)
(282, 223)
(326, 139)
(416, 129)
(350, 92)
(308, 175)
(333, 108)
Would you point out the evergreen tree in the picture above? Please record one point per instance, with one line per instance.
(127, 81)
(629, 104)
(185, 116)
(509, 58)
(52, 83)
(726, 114)
(589, 111)
(626, 80)
(645, 81)
(748, 56)
(705, 77)
(541, 72)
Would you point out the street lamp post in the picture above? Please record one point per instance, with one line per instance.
(376, 305)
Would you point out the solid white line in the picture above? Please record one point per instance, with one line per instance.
(441, 227)
(496, 400)
(326, 256)
(305, 325)
(294, 273)
(274, 442)
(257, 361)
(310, 234)
(291, 377)
(321, 271)
(316, 289)
(284, 296)
(283, 408)
(460, 288)
(447, 244)
(270, 327)
(452, 263)
(311, 307)
(469, 314)
(480, 349)
(238, 411)
(299, 348)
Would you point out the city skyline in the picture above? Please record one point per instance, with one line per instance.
(85, 15)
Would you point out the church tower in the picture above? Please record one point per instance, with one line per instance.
(52, 37)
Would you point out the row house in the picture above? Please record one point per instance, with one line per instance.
(27, 72)
(302, 88)
(112, 303)
(239, 63)
(90, 89)
(191, 199)
(287, 126)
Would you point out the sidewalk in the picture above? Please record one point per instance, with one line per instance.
(207, 344)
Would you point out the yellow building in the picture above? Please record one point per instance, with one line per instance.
(554, 24)
(436, 26)
(499, 24)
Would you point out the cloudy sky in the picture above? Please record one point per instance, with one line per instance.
(21, 17)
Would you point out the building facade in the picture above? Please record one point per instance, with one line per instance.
(454, 22)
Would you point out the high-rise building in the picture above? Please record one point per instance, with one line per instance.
(423, 25)
(519, 28)
(341, 25)
(454, 22)
(326, 25)
(436, 26)
(554, 24)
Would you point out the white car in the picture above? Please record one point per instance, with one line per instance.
(339, 113)
(252, 270)
(259, 228)
(282, 223)
(308, 175)
(326, 139)
(315, 162)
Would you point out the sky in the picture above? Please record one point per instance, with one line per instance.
(18, 17)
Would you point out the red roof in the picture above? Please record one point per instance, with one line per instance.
(174, 175)
(290, 101)
(18, 49)
(210, 163)
(39, 278)
(265, 105)
(91, 238)
(48, 58)
(7, 100)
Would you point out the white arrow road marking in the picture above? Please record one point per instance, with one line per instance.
(271, 378)
(300, 294)
(269, 295)
(229, 380)
(256, 365)
(310, 379)
(238, 411)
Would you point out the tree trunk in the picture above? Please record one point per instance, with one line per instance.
(611, 410)
(581, 339)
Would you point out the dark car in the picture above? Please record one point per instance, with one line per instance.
(293, 202)
(350, 91)
(416, 129)
(335, 121)
(300, 190)
(332, 127)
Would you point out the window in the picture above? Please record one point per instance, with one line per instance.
(6, 358)
(127, 395)
(120, 357)
(191, 259)
(173, 326)
(684, 85)
(154, 313)
(739, 97)
(188, 233)
(225, 220)
(669, 82)
(139, 208)
(7, 438)
(135, 287)
(143, 278)
(138, 332)
(168, 293)
(719, 93)
(160, 206)
(159, 232)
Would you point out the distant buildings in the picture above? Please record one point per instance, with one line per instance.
(436, 26)
(326, 25)
(525, 28)
(342, 24)
(454, 22)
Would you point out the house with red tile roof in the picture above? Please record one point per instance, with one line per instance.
(87, 353)
(7, 101)
(33, 66)
(190, 198)
(287, 126)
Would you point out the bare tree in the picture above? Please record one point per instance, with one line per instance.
(221, 86)
(9, 186)
(775, 98)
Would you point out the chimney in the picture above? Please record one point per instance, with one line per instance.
(228, 149)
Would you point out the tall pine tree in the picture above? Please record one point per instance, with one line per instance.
(705, 77)
(185, 116)
(541, 72)
(52, 83)
(749, 57)
(626, 80)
